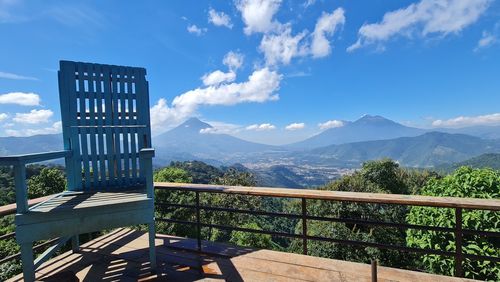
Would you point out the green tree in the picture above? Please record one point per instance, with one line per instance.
(50, 181)
(464, 182)
(177, 175)
(384, 176)
(172, 174)
(247, 239)
(200, 172)
(234, 177)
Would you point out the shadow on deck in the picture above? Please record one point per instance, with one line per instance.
(122, 255)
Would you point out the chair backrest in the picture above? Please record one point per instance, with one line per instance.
(105, 119)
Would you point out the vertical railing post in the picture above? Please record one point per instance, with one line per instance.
(21, 189)
(374, 270)
(458, 243)
(198, 220)
(304, 226)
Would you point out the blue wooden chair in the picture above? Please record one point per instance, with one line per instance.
(107, 149)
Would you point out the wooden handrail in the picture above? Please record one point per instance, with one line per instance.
(11, 209)
(378, 198)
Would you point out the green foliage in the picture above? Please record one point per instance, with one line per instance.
(172, 174)
(247, 239)
(177, 175)
(200, 172)
(233, 177)
(384, 176)
(49, 181)
(464, 182)
(10, 269)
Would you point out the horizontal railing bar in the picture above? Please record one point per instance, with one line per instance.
(9, 258)
(333, 240)
(281, 234)
(232, 228)
(175, 205)
(481, 233)
(481, 257)
(341, 220)
(7, 236)
(357, 197)
(381, 223)
(251, 212)
(17, 255)
(382, 246)
(175, 221)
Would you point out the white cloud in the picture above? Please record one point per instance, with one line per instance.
(260, 87)
(196, 30)
(295, 126)
(3, 116)
(8, 75)
(331, 124)
(233, 60)
(33, 117)
(20, 98)
(55, 128)
(282, 47)
(258, 15)
(326, 26)
(221, 128)
(487, 40)
(309, 3)
(217, 77)
(261, 127)
(463, 121)
(209, 130)
(422, 18)
(219, 18)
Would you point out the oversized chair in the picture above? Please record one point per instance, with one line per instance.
(107, 149)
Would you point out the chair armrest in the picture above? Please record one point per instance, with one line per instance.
(33, 158)
(147, 153)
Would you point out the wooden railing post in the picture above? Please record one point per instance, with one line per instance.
(304, 226)
(458, 243)
(198, 220)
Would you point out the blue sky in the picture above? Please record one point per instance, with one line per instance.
(254, 68)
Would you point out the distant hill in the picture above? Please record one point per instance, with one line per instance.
(483, 131)
(490, 160)
(31, 144)
(426, 150)
(366, 128)
(189, 139)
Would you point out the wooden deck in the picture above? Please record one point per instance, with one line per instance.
(122, 255)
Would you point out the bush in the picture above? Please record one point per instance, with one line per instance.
(464, 182)
(49, 181)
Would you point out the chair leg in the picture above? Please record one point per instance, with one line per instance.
(75, 244)
(152, 246)
(28, 263)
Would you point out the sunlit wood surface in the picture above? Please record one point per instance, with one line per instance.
(122, 255)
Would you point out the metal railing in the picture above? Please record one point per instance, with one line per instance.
(458, 204)
(10, 210)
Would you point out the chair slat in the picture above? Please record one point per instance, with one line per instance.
(92, 132)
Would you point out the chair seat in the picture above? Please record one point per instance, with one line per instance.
(74, 204)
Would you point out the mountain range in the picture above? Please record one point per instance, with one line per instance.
(191, 139)
(426, 150)
(370, 137)
(366, 128)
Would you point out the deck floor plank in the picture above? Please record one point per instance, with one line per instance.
(122, 255)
